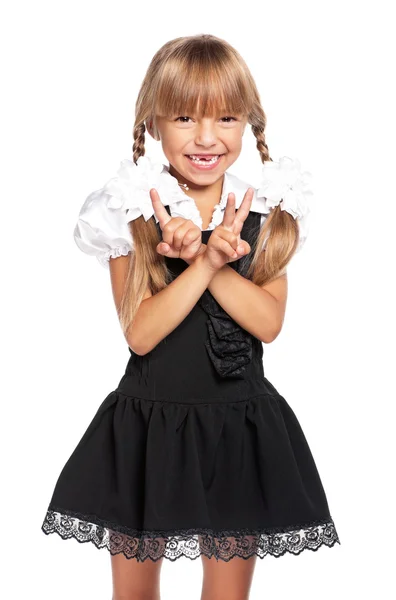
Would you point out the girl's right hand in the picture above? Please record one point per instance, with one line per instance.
(225, 244)
(181, 238)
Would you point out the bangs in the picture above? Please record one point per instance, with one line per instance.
(202, 85)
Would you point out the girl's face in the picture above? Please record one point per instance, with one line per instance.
(184, 136)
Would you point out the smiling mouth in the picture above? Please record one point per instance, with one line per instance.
(204, 158)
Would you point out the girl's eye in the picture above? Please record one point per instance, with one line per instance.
(183, 117)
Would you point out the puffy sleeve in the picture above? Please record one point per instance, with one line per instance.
(102, 231)
(283, 183)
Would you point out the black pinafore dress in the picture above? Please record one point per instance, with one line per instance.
(195, 452)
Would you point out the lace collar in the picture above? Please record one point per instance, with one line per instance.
(282, 183)
(231, 183)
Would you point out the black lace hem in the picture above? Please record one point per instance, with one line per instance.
(190, 543)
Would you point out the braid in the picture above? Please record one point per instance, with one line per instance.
(258, 132)
(138, 145)
(279, 234)
(258, 127)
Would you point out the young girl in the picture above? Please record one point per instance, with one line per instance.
(195, 453)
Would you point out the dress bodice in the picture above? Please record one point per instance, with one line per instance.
(208, 353)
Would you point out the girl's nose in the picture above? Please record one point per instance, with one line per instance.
(205, 134)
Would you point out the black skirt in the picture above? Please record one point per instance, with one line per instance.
(195, 452)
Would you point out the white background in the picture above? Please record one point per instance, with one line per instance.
(71, 72)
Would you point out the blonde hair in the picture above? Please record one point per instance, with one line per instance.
(183, 71)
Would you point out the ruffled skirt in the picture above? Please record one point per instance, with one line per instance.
(158, 479)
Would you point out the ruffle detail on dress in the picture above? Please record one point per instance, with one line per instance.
(190, 543)
(229, 346)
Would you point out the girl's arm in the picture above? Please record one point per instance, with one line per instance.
(160, 314)
(259, 310)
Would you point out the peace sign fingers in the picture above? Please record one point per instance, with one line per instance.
(234, 220)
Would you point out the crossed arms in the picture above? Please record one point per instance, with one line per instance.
(259, 310)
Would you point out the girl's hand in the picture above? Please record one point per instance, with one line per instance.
(225, 244)
(181, 238)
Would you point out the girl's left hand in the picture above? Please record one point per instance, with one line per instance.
(225, 244)
(181, 237)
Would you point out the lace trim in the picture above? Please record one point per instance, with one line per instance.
(191, 543)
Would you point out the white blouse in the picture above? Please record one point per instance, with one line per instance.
(102, 227)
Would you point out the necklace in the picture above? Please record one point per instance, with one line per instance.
(184, 185)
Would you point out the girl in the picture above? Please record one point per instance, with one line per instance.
(195, 453)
